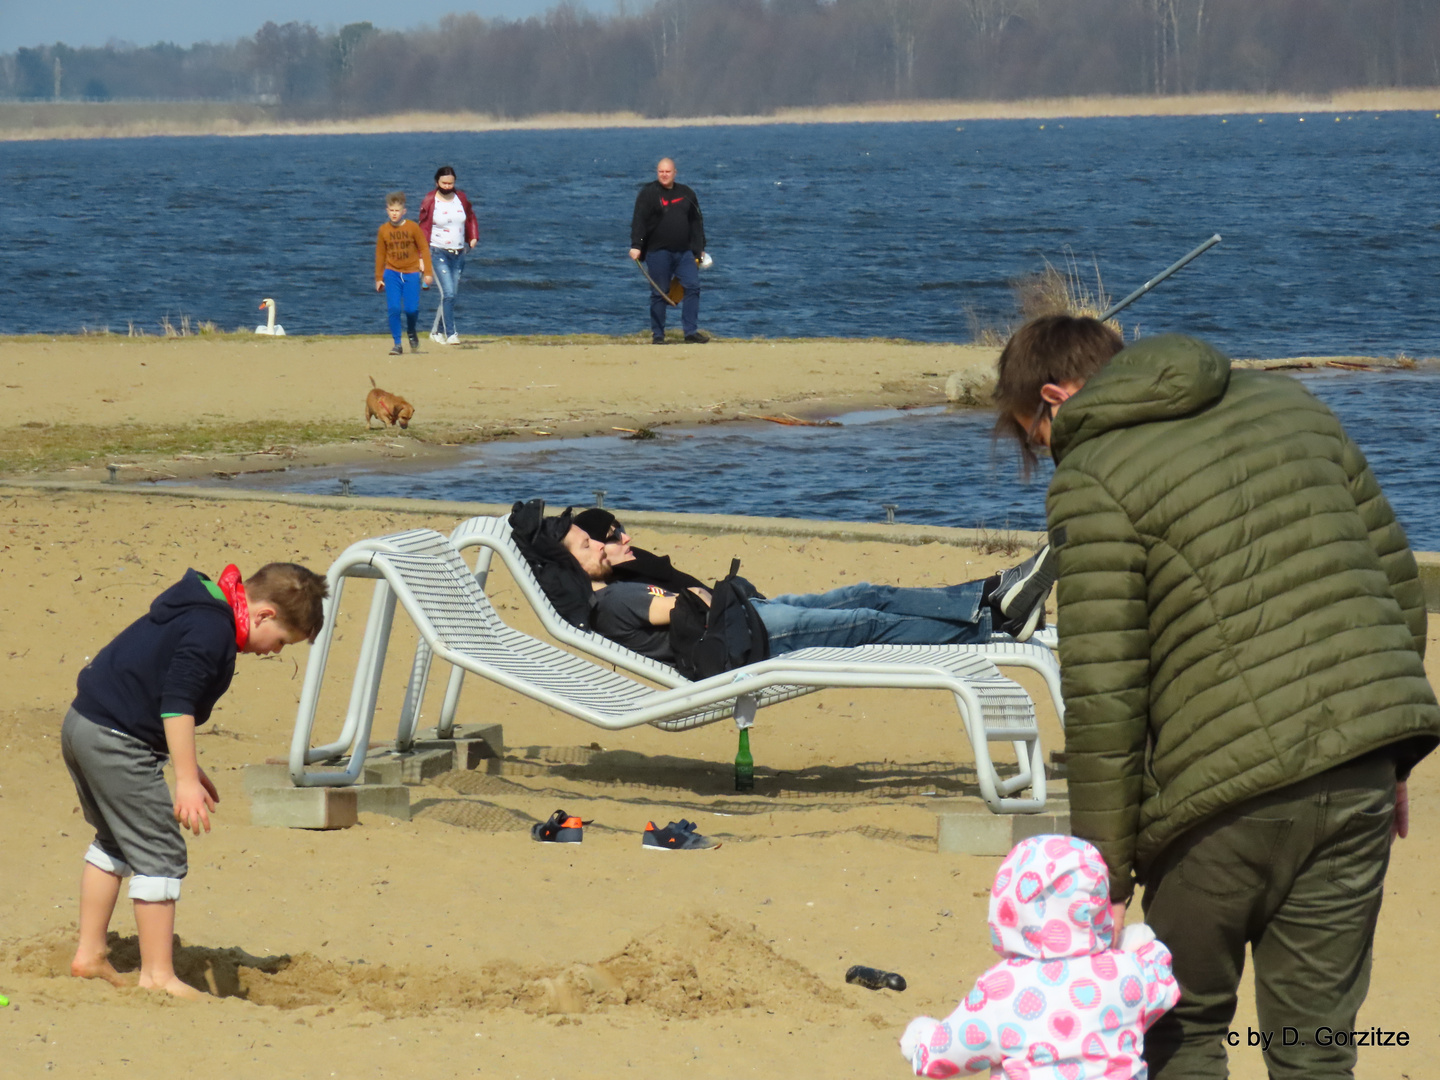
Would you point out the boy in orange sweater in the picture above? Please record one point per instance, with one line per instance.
(402, 256)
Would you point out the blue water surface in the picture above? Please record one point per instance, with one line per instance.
(1331, 226)
(937, 466)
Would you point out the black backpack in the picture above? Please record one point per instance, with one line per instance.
(725, 635)
(540, 540)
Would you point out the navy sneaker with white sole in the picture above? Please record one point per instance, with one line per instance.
(561, 828)
(677, 836)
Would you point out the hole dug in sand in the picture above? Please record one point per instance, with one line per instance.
(693, 966)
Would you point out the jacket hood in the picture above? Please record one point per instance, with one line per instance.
(1160, 378)
(1051, 900)
(194, 590)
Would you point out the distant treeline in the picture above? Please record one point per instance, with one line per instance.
(732, 57)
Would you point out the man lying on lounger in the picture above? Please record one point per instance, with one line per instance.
(635, 593)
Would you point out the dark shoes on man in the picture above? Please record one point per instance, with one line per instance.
(696, 338)
(1019, 593)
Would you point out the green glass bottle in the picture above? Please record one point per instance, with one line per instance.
(744, 764)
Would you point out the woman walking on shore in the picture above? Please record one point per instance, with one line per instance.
(448, 222)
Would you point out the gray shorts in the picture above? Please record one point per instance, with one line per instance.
(122, 789)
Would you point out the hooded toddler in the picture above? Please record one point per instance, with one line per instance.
(1064, 1003)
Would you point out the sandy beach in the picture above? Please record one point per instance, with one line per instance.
(452, 945)
(80, 120)
(156, 406)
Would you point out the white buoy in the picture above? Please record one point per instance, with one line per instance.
(269, 327)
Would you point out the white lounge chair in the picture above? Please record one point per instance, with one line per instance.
(492, 536)
(423, 571)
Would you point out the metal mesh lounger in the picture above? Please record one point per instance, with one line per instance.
(423, 571)
(492, 536)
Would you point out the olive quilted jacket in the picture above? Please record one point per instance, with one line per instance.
(1238, 608)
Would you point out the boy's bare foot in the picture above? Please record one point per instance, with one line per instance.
(174, 987)
(83, 967)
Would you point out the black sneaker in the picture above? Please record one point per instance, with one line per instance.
(696, 338)
(414, 341)
(677, 836)
(657, 339)
(561, 828)
(1019, 596)
(397, 351)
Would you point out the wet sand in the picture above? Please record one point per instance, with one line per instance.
(454, 946)
(129, 392)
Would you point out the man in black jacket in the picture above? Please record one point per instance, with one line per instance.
(668, 232)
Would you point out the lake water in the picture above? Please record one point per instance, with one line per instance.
(938, 466)
(1331, 226)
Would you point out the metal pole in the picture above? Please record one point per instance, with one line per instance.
(1115, 309)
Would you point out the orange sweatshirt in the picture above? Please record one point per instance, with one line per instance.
(401, 247)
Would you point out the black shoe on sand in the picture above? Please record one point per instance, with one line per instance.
(677, 836)
(1019, 597)
(561, 828)
(397, 351)
(696, 338)
(414, 341)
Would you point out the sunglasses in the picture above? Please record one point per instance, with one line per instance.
(616, 534)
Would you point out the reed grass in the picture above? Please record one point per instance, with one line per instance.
(1055, 290)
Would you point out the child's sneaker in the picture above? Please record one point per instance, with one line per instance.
(677, 836)
(414, 341)
(560, 829)
(397, 351)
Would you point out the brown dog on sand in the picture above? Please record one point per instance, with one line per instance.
(387, 407)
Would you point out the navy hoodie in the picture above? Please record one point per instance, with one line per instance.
(177, 660)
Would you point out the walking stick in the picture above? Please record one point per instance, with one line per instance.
(665, 295)
(1115, 309)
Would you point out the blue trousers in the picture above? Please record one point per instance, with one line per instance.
(867, 614)
(401, 290)
(663, 265)
(447, 275)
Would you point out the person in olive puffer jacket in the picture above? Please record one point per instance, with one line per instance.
(1242, 632)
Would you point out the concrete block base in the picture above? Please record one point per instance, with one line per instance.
(304, 808)
(473, 744)
(392, 800)
(415, 767)
(969, 828)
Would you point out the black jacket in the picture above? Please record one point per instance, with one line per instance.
(176, 660)
(667, 220)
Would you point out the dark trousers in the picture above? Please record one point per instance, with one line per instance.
(663, 265)
(1298, 874)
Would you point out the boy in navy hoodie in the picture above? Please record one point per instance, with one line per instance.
(138, 703)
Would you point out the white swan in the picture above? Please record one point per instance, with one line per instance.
(269, 327)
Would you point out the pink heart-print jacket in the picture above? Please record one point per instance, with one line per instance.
(1064, 1003)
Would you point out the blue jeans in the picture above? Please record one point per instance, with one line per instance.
(401, 289)
(447, 276)
(663, 265)
(867, 614)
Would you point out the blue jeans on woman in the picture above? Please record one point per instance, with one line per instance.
(447, 276)
(866, 614)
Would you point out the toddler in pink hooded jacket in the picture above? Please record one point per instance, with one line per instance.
(1064, 1003)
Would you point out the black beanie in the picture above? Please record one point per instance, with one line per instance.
(596, 522)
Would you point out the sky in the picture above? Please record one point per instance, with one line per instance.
(184, 22)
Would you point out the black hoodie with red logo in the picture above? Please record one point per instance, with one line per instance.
(667, 219)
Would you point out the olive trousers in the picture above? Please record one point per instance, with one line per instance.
(1298, 874)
